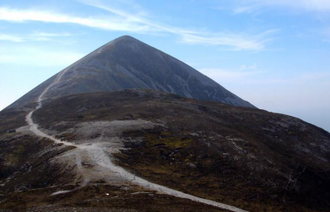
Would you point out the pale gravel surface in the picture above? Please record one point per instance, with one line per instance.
(99, 153)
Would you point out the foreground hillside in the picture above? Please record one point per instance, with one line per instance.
(248, 158)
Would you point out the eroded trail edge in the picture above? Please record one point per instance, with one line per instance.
(98, 155)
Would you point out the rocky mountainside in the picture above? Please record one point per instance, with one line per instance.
(127, 63)
(248, 158)
(81, 141)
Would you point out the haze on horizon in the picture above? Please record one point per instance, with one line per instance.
(274, 55)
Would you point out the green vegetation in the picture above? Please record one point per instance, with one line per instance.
(167, 141)
(17, 155)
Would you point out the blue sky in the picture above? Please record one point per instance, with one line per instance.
(274, 54)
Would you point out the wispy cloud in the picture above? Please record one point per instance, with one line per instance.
(49, 34)
(106, 23)
(46, 36)
(245, 9)
(35, 36)
(235, 41)
(248, 6)
(221, 75)
(121, 20)
(12, 38)
(319, 77)
(248, 67)
(252, 75)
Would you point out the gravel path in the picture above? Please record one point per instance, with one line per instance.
(97, 155)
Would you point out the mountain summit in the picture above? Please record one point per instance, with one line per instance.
(127, 63)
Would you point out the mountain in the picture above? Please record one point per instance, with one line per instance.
(74, 143)
(247, 158)
(127, 63)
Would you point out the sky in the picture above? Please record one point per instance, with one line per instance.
(274, 54)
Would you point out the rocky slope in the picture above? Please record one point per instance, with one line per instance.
(248, 158)
(128, 63)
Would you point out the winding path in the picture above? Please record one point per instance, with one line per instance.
(101, 158)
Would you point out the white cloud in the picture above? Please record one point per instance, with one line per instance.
(221, 75)
(45, 36)
(248, 6)
(245, 9)
(135, 22)
(13, 38)
(314, 5)
(48, 34)
(35, 36)
(235, 41)
(248, 67)
(106, 23)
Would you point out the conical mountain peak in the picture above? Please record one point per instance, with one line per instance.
(127, 63)
(124, 43)
(124, 40)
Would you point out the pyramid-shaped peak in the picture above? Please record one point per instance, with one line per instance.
(122, 43)
(125, 39)
(127, 63)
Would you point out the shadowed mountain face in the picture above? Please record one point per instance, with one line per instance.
(127, 63)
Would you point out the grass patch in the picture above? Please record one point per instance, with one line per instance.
(167, 141)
